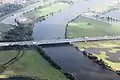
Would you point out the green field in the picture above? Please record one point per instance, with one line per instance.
(103, 50)
(83, 26)
(31, 64)
(47, 10)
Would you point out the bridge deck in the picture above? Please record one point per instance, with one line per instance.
(58, 41)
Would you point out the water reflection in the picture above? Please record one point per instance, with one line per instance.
(48, 31)
(54, 26)
(73, 61)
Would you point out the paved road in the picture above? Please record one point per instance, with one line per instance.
(55, 26)
(41, 42)
(10, 19)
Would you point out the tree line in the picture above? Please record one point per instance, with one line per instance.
(19, 33)
(8, 8)
(54, 63)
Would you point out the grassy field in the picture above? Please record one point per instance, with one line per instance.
(104, 50)
(31, 64)
(83, 26)
(47, 10)
(102, 8)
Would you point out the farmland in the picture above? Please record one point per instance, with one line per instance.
(31, 64)
(109, 51)
(82, 27)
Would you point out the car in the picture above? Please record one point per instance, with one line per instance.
(86, 37)
(34, 42)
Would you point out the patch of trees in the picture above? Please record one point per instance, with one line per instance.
(108, 19)
(64, 1)
(54, 64)
(8, 8)
(19, 33)
(98, 61)
(19, 77)
(17, 47)
(118, 72)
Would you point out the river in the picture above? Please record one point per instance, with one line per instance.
(75, 62)
(55, 26)
(67, 56)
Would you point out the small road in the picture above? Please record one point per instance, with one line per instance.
(10, 19)
(61, 41)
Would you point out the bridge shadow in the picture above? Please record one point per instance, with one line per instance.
(54, 45)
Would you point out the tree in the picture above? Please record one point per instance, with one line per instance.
(19, 33)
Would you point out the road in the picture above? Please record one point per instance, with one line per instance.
(10, 19)
(42, 42)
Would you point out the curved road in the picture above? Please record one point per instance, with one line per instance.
(10, 19)
(54, 26)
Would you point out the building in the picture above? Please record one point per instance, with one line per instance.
(12, 1)
(23, 20)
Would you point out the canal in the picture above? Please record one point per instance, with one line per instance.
(73, 61)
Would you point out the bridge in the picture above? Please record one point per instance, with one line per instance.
(60, 41)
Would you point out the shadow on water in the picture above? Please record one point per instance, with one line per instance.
(72, 60)
(43, 31)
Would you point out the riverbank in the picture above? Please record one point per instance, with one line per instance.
(73, 61)
(43, 13)
(85, 27)
(31, 64)
(55, 64)
(108, 51)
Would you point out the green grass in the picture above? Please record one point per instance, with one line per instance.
(47, 10)
(31, 64)
(113, 50)
(83, 26)
(50, 9)
(102, 54)
(99, 44)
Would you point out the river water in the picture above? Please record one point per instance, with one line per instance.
(67, 56)
(75, 62)
(55, 26)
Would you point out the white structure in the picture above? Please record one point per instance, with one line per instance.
(12, 1)
(23, 20)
